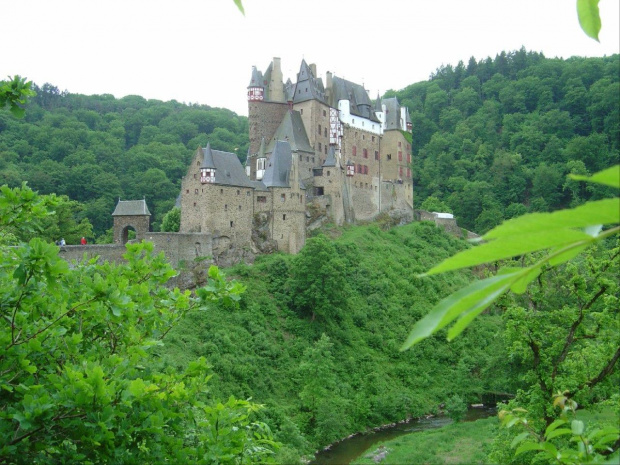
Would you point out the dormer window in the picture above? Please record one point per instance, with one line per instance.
(207, 175)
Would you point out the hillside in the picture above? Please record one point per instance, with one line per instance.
(495, 138)
(325, 360)
(492, 139)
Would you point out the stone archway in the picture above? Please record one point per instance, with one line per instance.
(131, 214)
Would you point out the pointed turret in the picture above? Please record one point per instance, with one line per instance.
(331, 157)
(207, 168)
(256, 89)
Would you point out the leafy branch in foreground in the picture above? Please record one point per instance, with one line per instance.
(564, 234)
(14, 93)
(589, 446)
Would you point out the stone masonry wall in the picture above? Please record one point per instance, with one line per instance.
(264, 119)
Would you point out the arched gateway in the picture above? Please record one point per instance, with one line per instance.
(131, 214)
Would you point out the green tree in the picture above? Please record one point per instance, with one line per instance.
(75, 371)
(317, 284)
(172, 220)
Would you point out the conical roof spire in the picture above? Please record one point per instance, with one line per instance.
(207, 160)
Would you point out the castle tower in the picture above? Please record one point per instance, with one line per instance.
(266, 103)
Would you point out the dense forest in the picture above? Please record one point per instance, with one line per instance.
(495, 138)
(95, 149)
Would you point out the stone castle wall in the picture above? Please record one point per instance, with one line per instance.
(264, 119)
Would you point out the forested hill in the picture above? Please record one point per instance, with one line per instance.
(492, 139)
(97, 148)
(495, 138)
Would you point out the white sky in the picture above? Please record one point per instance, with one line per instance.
(202, 51)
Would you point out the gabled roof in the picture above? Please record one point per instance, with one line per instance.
(331, 157)
(360, 102)
(257, 78)
(278, 169)
(228, 168)
(308, 86)
(392, 113)
(131, 208)
(293, 131)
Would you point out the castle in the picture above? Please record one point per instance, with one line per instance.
(317, 150)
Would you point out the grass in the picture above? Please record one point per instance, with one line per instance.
(456, 443)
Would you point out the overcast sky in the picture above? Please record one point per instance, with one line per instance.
(202, 51)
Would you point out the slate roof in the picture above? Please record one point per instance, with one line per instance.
(361, 105)
(257, 78)
(279, 166)
(131, 208)
(331, 157)
(392, 113)
(228, 168)
(308, 87)
(293, 131)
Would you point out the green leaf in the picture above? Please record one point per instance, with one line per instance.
(589, 17)
(240, 6)
(558, 432)
(470, 298)
(528, 446)
(606, 211)
(608, 177)
(519, 438)
(510, 246)
(577, 427)
(554, 425)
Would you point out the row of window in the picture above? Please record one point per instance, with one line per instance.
(202, 191)
(365, 153)
(364, 186)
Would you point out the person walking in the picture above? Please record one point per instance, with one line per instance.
(83, 241)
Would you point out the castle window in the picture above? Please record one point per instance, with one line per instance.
(187, 191)
(319, 129)
(239, 207)
(354, 150)
(282, 197)
(320, 147)
(400, 171)
(313, 157)
(194, 204)
(301, 199)
(376, 154)
(408, 158)
(198, 163)
(326, 150)
(366, 185)
(363, 135)
(301, 158)
(389, 156)
(324, 113)
(238, 192)
(327, 172)
(400, 144)
(400, 155)
(365, 153)
(231, 224)
(373, 137)
(301, 112)
(308, 159)
(284, 217)
(261, 199)
(195, 191)
(195, 176)
(247, 194)
(325, 132)
(225, 206)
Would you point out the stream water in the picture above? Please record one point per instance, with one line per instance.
(347, 450)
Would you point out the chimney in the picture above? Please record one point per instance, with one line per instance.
(313, 69)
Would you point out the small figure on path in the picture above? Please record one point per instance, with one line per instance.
(83, 241)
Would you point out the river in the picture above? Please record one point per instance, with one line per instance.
(347, 450)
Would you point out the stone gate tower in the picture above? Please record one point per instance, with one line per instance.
(131, 214)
